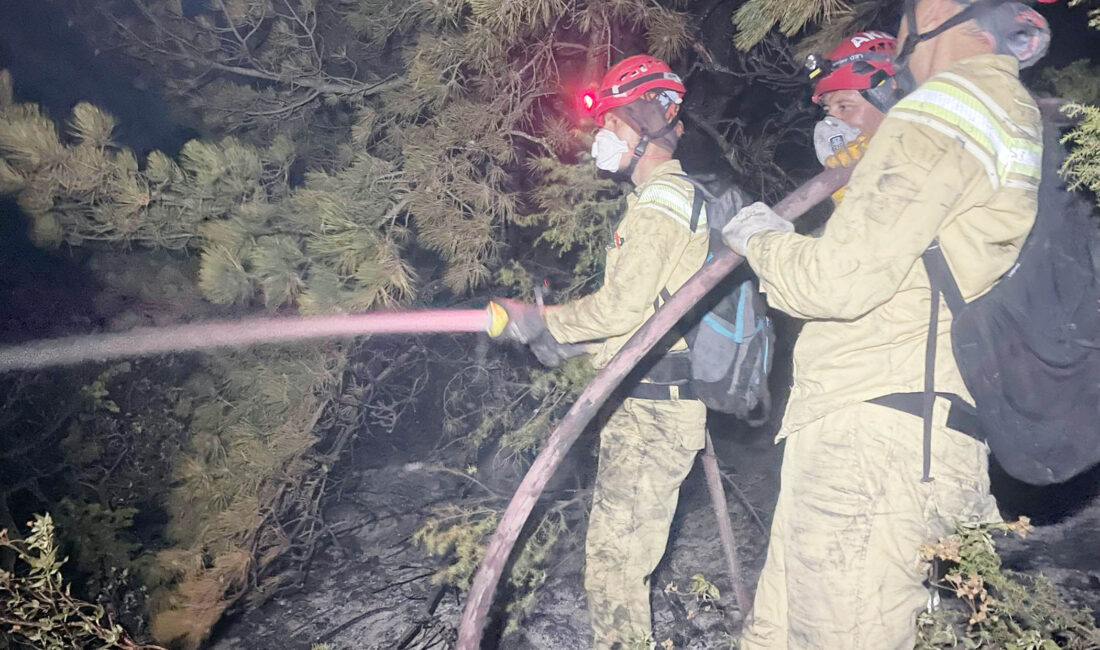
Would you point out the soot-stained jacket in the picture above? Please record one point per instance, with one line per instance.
(652, 248)
(958, 159)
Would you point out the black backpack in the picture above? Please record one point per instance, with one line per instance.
(1029, 349)
(731, 339)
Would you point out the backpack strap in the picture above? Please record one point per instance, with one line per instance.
(942, 283)
(699, 198)
(663, 296)
(940, 275)
(696, 208)
(928, 400)
(961, 416)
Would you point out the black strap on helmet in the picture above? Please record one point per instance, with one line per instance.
(623, 88)
(643, 144)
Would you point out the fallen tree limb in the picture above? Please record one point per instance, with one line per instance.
(596, 393)
(725, 527)
(433, 601)
(748, 504)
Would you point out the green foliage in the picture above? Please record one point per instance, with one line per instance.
(756, 17)
(1078, 82)
(1003, 609)
(98, 536)
(1082, 166)
(529, 569)
(703, 589)
(36, 607)
(476, 95)
(330, 245)
(514, 415)
(641, 642)
(554, 390)
(246, 484)
(459, 533)
(97, 391)
(496, 407)
(576, 210)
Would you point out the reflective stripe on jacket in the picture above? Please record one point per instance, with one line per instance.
(958, 159)
(652, 248)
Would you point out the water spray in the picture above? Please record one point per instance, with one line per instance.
(145, 341)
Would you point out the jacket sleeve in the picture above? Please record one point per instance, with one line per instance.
(640, 268)
(904, 188)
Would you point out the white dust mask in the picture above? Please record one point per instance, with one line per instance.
(608, 150)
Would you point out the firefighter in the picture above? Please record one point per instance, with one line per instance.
(958, 160)
(650, 441)
(855, 85)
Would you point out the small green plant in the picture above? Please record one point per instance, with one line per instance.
(99, 393)
(37, 608)
(459, 532)
(97, 535)
(701, 596)
(641, 642)
(703, 589)
(529, 571)
(1002, 609)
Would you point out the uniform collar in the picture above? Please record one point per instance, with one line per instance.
(1000, 62)
(664, 169)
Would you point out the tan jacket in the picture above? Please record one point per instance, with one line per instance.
(652, 248)
(958, 159)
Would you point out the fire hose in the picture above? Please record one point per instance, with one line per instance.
(596, 393)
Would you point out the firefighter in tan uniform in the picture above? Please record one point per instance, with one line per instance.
(958, 159)
(649, 443)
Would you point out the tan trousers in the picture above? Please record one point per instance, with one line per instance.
(647, 448)
(843, 570)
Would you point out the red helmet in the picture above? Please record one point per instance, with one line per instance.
(854, 64)
(629, 80)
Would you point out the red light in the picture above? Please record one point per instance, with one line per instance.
(589, 100)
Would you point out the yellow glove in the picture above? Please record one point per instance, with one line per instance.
(523, 322)
(850, 154)
(498, 319)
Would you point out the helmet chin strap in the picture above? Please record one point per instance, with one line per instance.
(643, 144)
(885, 91)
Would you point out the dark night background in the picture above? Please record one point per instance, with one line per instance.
(51, 293)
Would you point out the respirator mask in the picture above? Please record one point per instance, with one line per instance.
(608, 150)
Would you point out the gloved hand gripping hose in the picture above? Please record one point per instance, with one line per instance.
(596, 393)
(523, 323)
